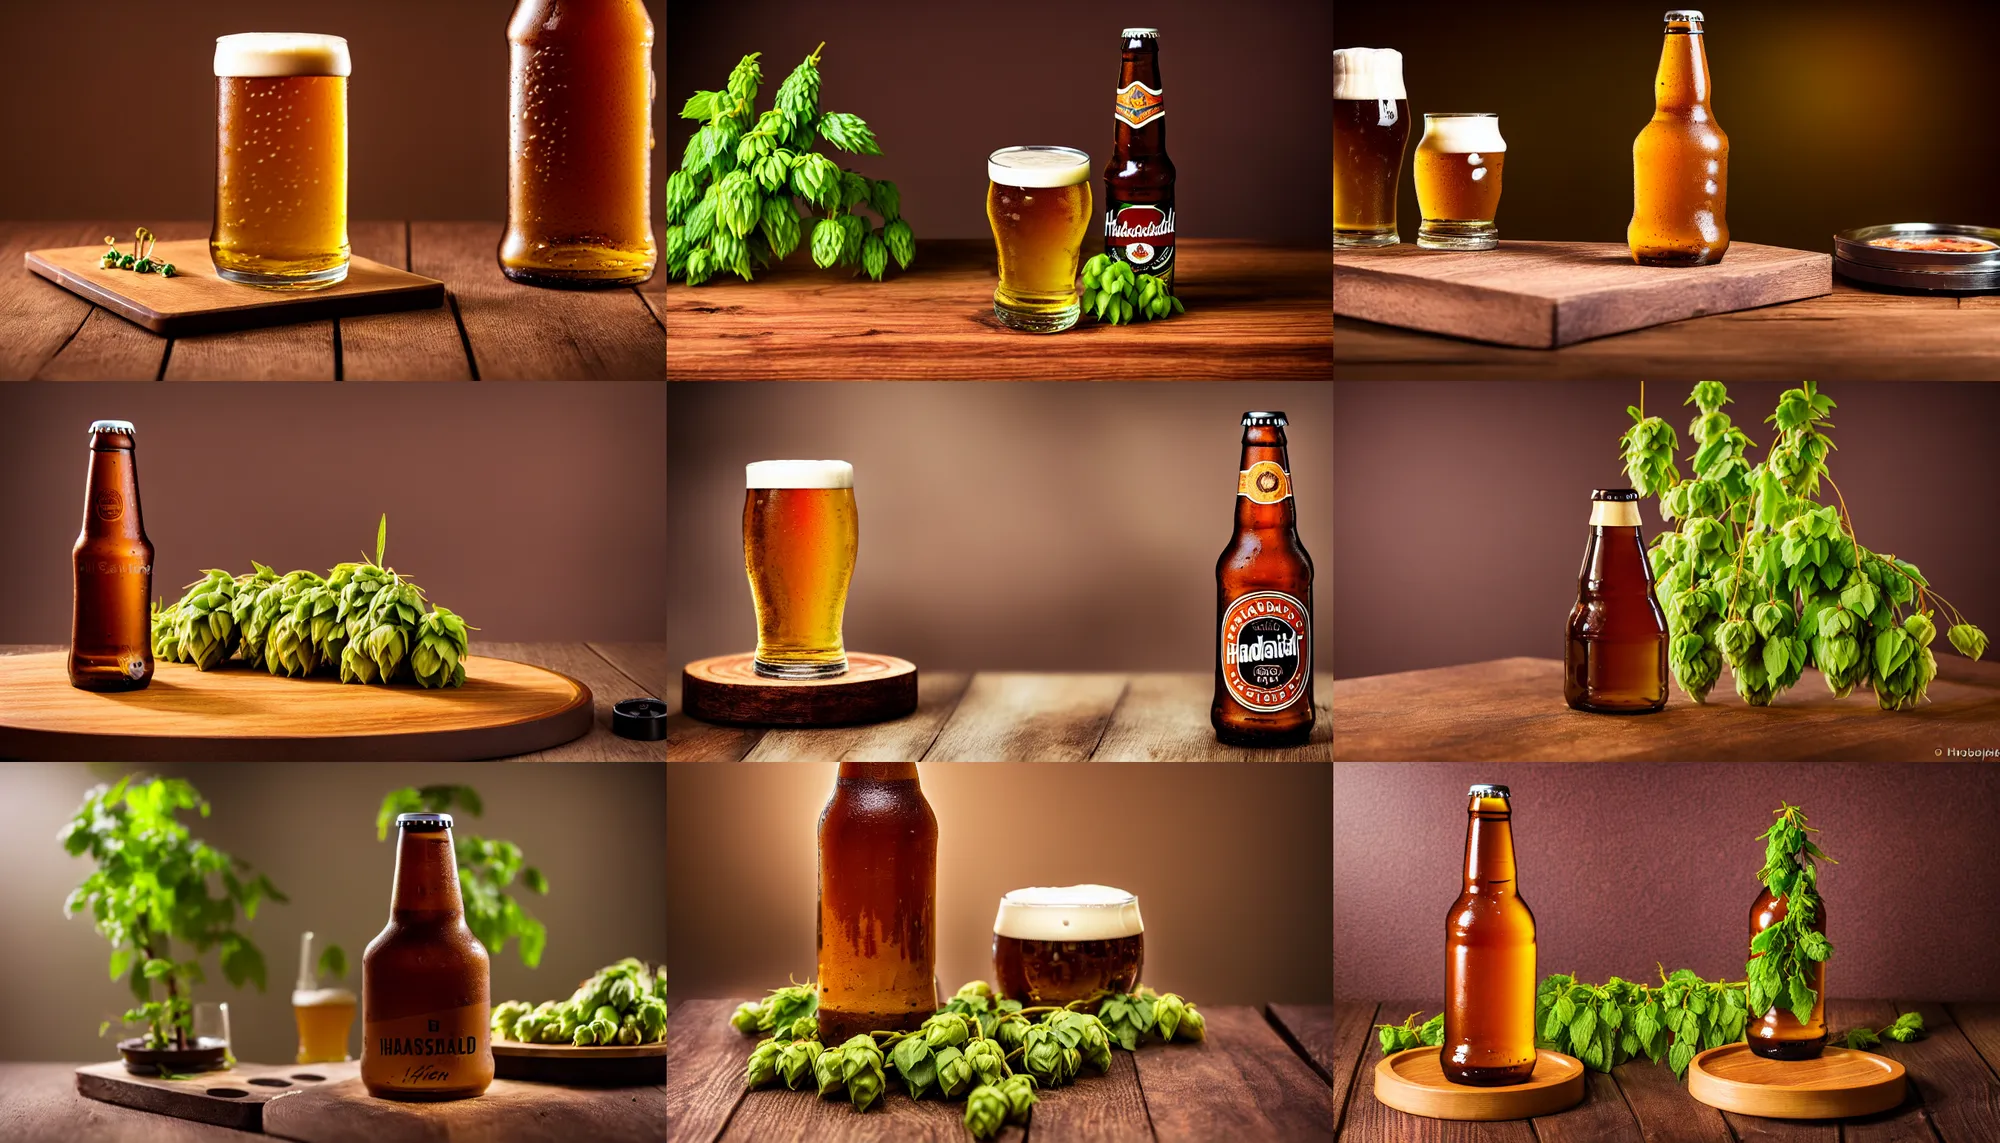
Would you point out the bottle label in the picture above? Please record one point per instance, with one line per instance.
(109, 505)
(429, 1050)
(1266, 650)
(1614, 513)
(1264, 482)
(1141, 233)
(1138, 105)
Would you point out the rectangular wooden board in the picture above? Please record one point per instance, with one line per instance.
(509, 1112)
(1542, 295)
(234, 1098)
(196, 301)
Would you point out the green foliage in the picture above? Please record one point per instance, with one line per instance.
(487, 868)
(1909, 1026)
(1410, 1033)
(155, 886)
(1116, 294)
(1785, 956)
(620, 1005)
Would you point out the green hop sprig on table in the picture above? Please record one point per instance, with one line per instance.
(1410, 1033)
(781, 1006)
(991, 1106)
(1909, 1026)
(1116, 294)
(140, 260)
(1134, 1018)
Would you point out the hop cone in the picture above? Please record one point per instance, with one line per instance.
(380, 639)
(204, 627)
(166, 644)
(288, 646)
(251, 616)
(439, 657)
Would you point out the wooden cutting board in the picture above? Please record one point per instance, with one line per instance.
(238, 714)
(1547, 294)
(234, 1098)
(509, 1112)
(1413, 1081)
(195, 300)
(614, 1066)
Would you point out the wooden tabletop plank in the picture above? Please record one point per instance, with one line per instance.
(1602, 1117)
(1241, 1082)
(1309, 1029)
(705, 1058)
(1665, 1111)
(1253, 311)
(301, 351)
(39, 1104)
(904, 739)
(1980, 1024)
(1353, 1030)
(1018, 717)
(607, 686)
(510, 1111)
(1108, 1108)
(1164, 718)
(643, 663)
(50, 334)
(1905, 1124)
(1369, 1121)
(1514, 709)
(412, 345)
(1960, 1091)
(524, 333)
(774, 1113)
(692, 740)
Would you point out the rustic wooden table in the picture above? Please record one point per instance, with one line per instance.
(1954, 1096)
(1849, 335)
(612, 671)
(1008, 717)
(489, 329)
(1513, 710)
(1254, 312)
(1257, 1076)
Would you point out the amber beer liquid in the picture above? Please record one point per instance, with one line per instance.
(877, 902)
(425, 980)
(281, 160)
(1057, 944)
(111, 629)
(1777, 1034)
(1263, 582)
(1680, 161)
(1489, 1008)
(325, 1017)
(1615, 657)
(1139, 178)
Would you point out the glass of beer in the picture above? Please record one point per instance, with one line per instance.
(325, 1017)
(281, 160)
(1371, 132)
(800, 534)
(1038, 201)
(1055, 944)
(1458, 181)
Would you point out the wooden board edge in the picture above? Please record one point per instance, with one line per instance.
(881, 699)
(248, 1116)
(1536, 329)
(96, 295)
(1766, 283)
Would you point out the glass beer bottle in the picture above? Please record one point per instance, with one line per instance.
(1680, 161)
(111, 628)
(877, 902)
(1615, 660)
(1777, 1034)
(1489, 1008)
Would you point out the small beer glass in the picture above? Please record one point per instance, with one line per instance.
(1038, 202)
(1458, 181)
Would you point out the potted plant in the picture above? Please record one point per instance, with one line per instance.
(156, 886)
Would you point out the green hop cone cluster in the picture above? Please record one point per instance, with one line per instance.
(1410, 1033)
(781, 1007)
(733, 207)
(1135, 1018)
(854, 1069)
(1116, 294)
(991, 1106)
(204, 631)
(976, 999)
(622, 1004)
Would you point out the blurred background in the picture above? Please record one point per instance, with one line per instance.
(530, 511)
(1464, 508)
(131, 133)
(1840, 113)
(592, 830)
(1032, 527)
(1249, 124)
(1627, 867)
(1229, 863)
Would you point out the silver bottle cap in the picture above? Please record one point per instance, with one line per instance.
(1486, 791)
(113, 427)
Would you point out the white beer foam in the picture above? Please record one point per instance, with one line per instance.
(798, 474)
(1038, 166)
(263, 54)
(1068, 913)
(320, 997)
(1460, 135)
(1368, 73)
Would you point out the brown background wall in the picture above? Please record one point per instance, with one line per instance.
(1628, 866)
(1237, 902)
(108, 106)
(593, 830)
(1839, 114)
(1003, 527)
(1463, 509)
(943, 85)
(532, 511)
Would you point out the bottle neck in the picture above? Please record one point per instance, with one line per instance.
(111, 495)
(426, 886)
(1615, 554)
(1142, 65)
(878, 771)
(1682, 84)
(1264, 444)
(1489, 847)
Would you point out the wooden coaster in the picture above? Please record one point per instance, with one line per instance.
(195, 300)
(233, 1098)
(239, 714)
(628, 1066)
(1413, 1081)
(728, 689)
(1841, 1082)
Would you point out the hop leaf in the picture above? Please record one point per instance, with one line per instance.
(887, 201)
(848, 133)
(700, 105)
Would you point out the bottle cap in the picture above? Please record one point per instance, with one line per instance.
(1485, 791)
(113, 427)
(1684, 15)
(641, 718)
(1614, 494)
(423, 822)
(1141, 33)
(1264, 419)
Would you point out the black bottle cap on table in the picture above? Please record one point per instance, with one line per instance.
(641, 718)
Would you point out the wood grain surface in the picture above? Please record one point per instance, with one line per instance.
(488, 327)
(1545, 294)
(1253, 312)
(1849, 335)
(1414, 1081)
(510, 1111)
(1513, 709)
(1837, 1083)
(232, 1098)
(1011, 717)
(728, 689)
(39, 1103)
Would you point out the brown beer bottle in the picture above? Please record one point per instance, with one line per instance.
(1489, 1007)
(1680, 161)
(111, 629)
(1615, 658)
(1139, 178)
(1263, 603)
(1778, 1035)
(877, 902)
(425, 981)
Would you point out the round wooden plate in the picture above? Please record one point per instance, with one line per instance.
(1841, 1082)
(1413, 1081)
(614, 1066)
(235, 714)
(728, 689)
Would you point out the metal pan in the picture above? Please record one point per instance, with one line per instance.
(1925, 270)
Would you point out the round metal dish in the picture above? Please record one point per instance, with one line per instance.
(1930, 271)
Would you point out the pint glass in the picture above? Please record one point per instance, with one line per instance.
(281, 160)
(1458, 181)
(1038, 201)
(1371, 130)
(325, 1018)
(1057, 944)
(800, 533)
